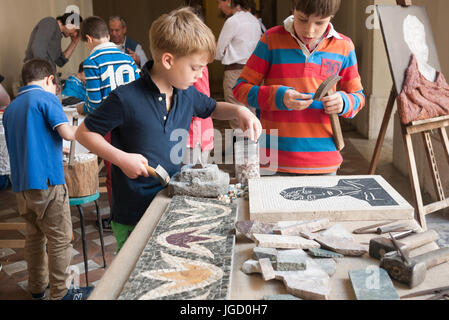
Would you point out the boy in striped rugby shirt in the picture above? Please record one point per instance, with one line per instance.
(293, 60)
(105, 69)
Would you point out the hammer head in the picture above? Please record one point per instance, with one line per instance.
(162, 175)
(378, 247)
(412, 274)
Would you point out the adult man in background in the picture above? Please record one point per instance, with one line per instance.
(45, 39)
(117, 31)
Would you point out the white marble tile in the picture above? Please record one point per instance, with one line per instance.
(15, 220)
(6, 252)
(92, 265)
(15, 267)
(74, 252)
(8, 211)
(107, 240)
(89, 229)
(23, 285)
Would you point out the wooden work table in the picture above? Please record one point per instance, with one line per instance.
(253, 287)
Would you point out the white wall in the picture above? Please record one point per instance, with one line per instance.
(17, 20)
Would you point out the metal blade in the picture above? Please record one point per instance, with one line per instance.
(427, 292)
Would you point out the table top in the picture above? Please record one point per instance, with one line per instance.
(253, 287)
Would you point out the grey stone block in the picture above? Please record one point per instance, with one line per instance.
(208, 182)
(373, 284)
(321, 253)
(281, 297)
(291, 260)
(261, 253)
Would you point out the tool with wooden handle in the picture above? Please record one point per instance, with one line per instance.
(326, 88)
(73, 145)
(160, 174)
(414, 272)
(378, 247)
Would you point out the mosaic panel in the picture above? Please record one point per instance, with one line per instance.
(189, 256)
(338, 198)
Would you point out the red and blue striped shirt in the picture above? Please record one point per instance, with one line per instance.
(303, 142)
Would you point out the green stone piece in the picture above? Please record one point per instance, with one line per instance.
(373, 284)
(261, 253)
(281, 297)
(321, 253)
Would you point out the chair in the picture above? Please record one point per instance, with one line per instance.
(78, 202)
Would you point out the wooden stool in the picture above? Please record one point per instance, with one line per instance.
(78, 202)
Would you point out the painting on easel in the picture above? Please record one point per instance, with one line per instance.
(407, 31)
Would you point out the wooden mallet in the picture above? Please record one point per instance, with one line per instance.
(325, 89)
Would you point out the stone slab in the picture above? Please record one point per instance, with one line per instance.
(373, 284)
(321, 253)
(291, 260)
(281, 297)
(260, 253)
(337, 231)
(267, 269)
(295, 229)
(328, 265)
(248, 228)
(198, 183)
(339, 198)
(251, 266)
(342, 246)
(311, 284)
(189, 256)
(284, 242)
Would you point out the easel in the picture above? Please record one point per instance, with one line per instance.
(424, 127)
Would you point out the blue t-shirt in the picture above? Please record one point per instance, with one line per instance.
(74, 87)
(136, 115)
(34, 145)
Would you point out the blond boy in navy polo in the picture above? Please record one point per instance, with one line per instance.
(143, 115)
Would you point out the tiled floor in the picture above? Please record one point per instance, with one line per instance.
(13, 276)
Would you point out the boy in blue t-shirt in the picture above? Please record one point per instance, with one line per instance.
(35, 125)
(74, 86)
(105, 69)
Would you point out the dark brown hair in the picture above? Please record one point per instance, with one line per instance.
(244, 4)
(35, 70)
(320, 8)
(70, 18)
(94, 27)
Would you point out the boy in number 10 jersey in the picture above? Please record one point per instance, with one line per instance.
(107, 67)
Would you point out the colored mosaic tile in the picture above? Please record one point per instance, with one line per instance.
(189, 256)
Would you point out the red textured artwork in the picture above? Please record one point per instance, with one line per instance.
(420, 98)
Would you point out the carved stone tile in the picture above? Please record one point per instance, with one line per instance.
(189, 256)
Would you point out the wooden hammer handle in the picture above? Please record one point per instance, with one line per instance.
(151, 171)
(336, 129)
(433, 258)
(420, 239)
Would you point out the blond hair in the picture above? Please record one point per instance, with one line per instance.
(181, 33)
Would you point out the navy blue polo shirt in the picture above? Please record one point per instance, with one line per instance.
(136, 115)
(34, 144)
